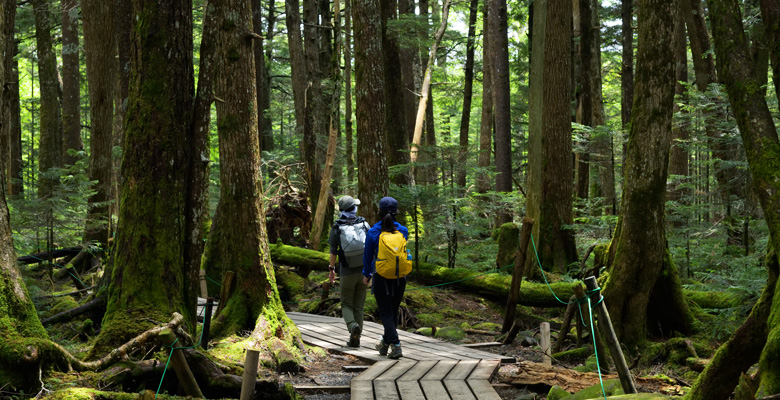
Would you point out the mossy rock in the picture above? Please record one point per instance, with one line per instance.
(289, 283)
(63, 304)
(419, 298)
(579, 353)
(508, 241)
(425, 331)
(487, 326)
(557, 393)
(611, 387)
(450, 333)
(590, 365)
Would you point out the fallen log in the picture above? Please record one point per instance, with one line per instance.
(491, 285)
(47, 255)
(75, 312)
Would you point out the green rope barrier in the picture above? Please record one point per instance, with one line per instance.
(595, 350)
(539, 263)
(213, 281)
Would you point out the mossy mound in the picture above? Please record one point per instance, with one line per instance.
(453, 333)
(425, 331)
(487, 326)
(611, 387)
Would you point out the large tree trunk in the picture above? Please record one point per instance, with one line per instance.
(642, 276)
(348, 92)
(50, 146)
(313, 125)
(465, 116)
(71, 121)
(155, 271)
(395, 110)
(262, 74)
(297, 60)
(100, 47)
(499, 63)
(409, 59)
(240, 242)
(123, 21)
(486, 122)
(627, 65)
(12, 121)
(762, 146)
(549, 156)
(373, 182)
(7, 51)
(678, 159)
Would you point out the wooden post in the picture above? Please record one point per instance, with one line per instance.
(544, 342)
(601, 354)
(186, 379)
(626, 381)
(250, 374)
(567, 316)
(517, 274)
(204, 340)
(203, 289)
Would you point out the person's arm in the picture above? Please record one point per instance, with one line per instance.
(333, 242)
(332, 268)
(368, 258)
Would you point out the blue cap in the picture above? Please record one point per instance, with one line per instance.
(388, 204)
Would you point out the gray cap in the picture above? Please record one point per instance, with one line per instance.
(347, 202)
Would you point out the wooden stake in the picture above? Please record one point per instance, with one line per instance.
(183, 372)
(567, 316)
(544, 342)
(626, 381)
(250, 374)
(585, 313)
(203, 290)
(517, 274)
(204, 340)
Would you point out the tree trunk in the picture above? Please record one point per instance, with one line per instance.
(297, 60)
(71, 122)
(499, 63)
(642, 275)
(395, 110)
(153, 273)
(465, 116)
(12, 121)
(409, 58)
(262, 74)
(678, 159)
(8, 52)
(348, 91)
(313, 115)
(585, 99)
(550, 148)
(50, 146)
(486, 123)
(373, 181)
(123, 21)
(99, 49)
(762, 146)
(770, 13)
(627, 66)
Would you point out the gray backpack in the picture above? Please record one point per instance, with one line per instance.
(352, 239)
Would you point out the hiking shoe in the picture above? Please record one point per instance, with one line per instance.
(382, 347)
(354, 336)
(395, 351)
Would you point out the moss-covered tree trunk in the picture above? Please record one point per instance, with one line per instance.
(549, 157)
(50, 145)
(762, 147)
(156, 254)
(373, 181)
(641, 273)
(71, 96)
(100, 47)
(238, 240)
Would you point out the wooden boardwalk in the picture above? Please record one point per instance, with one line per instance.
(429, 369)
(331, 334)
(432, 379)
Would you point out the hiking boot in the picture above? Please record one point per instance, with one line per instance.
(382, 347)
(354, 336)
(395, 351)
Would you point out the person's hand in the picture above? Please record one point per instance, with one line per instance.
(332, 276)
(366, 280)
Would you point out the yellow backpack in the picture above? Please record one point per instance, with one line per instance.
(392, 259)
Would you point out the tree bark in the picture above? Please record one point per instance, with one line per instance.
(50, 146)
(409, 59)
(585, 106)
(499, 63)
(12, 121)
(153, 266)
(100, 46)
(297, 60)
(123, 21)
(313, 125)
(262, 73)
(348, 91)
(678, 159)
(71, 118)
(395, 110)
(465, 116)
(642, 276)
(762, 147)
(627, 66)
(549, 157)
(373, 181)
(770, 13)
(486, 122)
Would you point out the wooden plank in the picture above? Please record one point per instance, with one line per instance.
(394, 372)
(410, 390)
(461, 371)
(484, 370)
(386, 390)
(485, 344)
(459, 390)
(361, 390)
(440, 370)
(373, 371)
(418, 371)
(434, 390)
(483, 390)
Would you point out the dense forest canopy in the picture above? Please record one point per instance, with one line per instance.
(164, 146)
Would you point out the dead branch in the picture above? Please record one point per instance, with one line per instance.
(75, 312)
